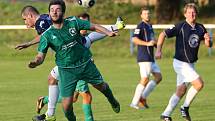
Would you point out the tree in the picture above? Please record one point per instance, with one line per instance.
(167, 10)
(211, 2)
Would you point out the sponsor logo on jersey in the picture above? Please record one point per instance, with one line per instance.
(71, 44)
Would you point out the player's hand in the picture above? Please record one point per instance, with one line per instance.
(207, 40)
(32, 64)
(207, 37)
(151, 43)
(22, 46)
(112, 34)
(158, 54)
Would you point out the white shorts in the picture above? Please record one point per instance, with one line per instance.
(185, 72)
(146, 68)
(54, 72)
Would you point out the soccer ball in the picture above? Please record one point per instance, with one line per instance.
(86, 3)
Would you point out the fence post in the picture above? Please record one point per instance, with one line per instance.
(211, 37)
(131, 43)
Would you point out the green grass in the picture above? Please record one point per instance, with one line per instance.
(20, 86)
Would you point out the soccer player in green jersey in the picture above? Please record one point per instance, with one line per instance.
(72, 58)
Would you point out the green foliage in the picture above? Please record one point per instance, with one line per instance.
(104, 12)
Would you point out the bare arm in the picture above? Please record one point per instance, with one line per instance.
(28, 44)
(138, 41)
(160, 42)
(37, 61)
(208, 42)
(101, 29)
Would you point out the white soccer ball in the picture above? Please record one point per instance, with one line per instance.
(87, 3)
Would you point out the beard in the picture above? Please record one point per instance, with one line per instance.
(58, 21)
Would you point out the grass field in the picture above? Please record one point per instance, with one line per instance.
(20, 86)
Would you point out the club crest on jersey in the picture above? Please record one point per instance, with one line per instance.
(193, 40)
(72, 31)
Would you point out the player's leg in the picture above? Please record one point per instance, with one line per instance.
(95, 36)
(93, 76)
(174, 100)
(180, 90)
(151, 84)
(83, 89)
(145, 69)
(68, 81)
(52, 99)
(197, 85)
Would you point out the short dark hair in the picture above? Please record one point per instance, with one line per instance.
(84, 15)
(143, 9)
(28, 9)
(58, 2)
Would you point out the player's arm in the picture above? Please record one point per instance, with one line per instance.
(28, 44)
(207, 40)
(101, 29)
(38, 60)
(160, 42)
(138, 41)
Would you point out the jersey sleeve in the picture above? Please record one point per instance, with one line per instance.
(171, 32)
(43, 45)
(204, 30)
(42, 26)
(83, 24)
(138, 31)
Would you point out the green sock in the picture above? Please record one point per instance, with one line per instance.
(46, 100)
(59, 99)
(108, 93)
(87, 112)
(70, 115)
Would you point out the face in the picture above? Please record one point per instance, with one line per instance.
(190, 15)
(29, 20)
(56, 14)
(83, 32)
(145, 15)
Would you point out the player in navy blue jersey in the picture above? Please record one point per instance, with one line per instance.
(188, 35)
(145, 40)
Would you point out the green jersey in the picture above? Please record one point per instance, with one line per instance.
(66, 42)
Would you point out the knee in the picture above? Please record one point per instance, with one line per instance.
(67, 104)
(198, 85)
(101, 86)
(144, 81)
(52, 80)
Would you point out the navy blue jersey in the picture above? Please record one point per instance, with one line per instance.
(43, 23)
(187, 40)
(144, 32)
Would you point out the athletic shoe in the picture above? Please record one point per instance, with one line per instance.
(40, 104)
(50, 118)
(142, 103)
(120, 23)
(166, 118)
(185, 113)
(116, 106)
(44, 117)
(39, 117)
(137, 107)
